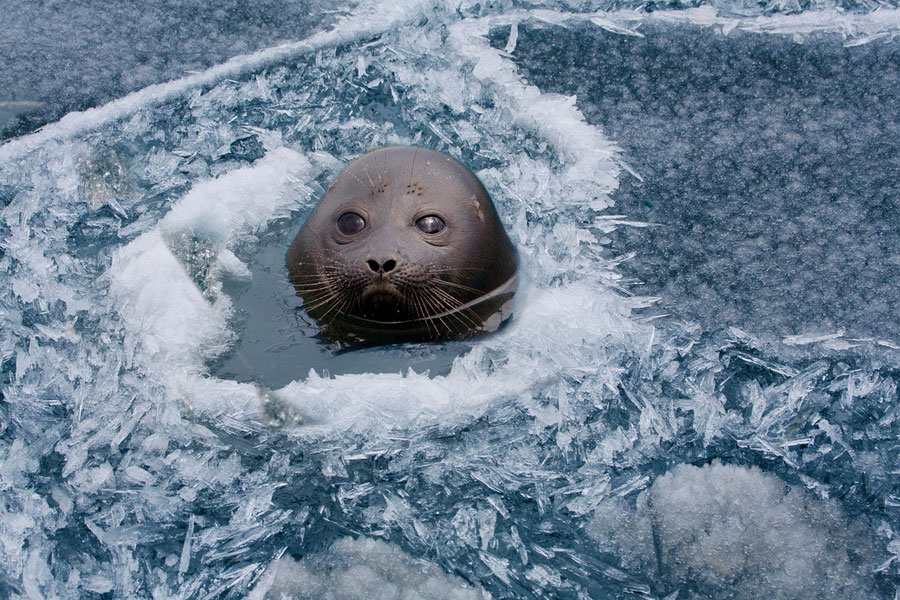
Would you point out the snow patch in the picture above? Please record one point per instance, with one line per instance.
(173, 324)
(731, 531)
(361, 569)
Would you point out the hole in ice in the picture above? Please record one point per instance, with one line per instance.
(278, 343)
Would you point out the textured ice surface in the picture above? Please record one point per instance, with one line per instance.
(130, 232)
(75, 55)
(724, 531)
(769, 169)
(361, 569)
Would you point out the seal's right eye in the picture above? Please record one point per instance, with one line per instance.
(350, 223)
(430, 224)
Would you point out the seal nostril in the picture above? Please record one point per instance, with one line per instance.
(373, 265)
(389, 265)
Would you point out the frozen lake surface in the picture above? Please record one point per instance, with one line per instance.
(696, 398)
(770, 167)
(65, 56)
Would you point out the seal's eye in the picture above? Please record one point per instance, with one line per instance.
(430, 224)
(350, 223)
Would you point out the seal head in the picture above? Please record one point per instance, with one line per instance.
(405, 245)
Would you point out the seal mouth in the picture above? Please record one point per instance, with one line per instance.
(381, 301)
(499, 296)
(482, 315)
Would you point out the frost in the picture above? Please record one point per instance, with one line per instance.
(361, 569)
(732, 242)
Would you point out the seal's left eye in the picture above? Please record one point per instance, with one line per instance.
(430, 224)
(350, 223)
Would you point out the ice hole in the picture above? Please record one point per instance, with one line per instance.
(278, 343)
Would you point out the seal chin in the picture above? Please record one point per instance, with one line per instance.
(381, 301)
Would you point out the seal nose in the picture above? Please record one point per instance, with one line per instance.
(384, 267)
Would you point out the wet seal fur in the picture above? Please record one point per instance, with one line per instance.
(405, 245)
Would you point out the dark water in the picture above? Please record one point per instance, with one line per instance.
(278, 342)
(770, 168)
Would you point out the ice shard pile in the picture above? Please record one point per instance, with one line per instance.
(584, 451)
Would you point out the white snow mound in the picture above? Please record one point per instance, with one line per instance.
(726, 531)
(361, 569)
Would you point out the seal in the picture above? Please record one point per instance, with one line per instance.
(405, 245)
